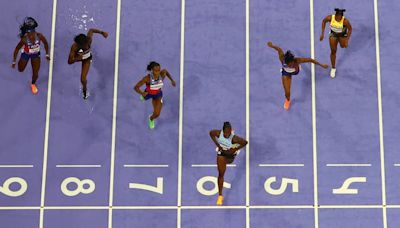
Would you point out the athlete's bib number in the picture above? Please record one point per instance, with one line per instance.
(34, 49)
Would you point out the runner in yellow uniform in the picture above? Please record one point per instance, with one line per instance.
(340, 32)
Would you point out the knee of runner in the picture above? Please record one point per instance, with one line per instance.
(333, 51)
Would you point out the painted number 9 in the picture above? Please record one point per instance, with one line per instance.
(5, 188)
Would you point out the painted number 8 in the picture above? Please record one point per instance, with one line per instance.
(5, 188)
(81, 184)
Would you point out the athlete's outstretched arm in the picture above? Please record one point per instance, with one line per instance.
(278, 49)
(164, 73)
(17, 48)
(326, 20)
(93, 30)
(46, 45)
(139, 84)
(214, 134)
(310, 60)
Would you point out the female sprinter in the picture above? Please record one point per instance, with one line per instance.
(80, 52)
(228, 145)
(340, 33)
(290, 66)
(154, 83)
(30, 41)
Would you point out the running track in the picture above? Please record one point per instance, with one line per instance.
(53, 143)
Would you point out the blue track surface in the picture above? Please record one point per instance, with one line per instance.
(142, 179)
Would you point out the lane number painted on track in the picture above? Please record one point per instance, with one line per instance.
(214, 181)
(159, 188)
(345, 188)
(85, 186)
(282, 188)
(5, 187)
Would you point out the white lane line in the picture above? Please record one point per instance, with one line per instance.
(180, 130)
(348, 165)
(114, 115)
(379, 93)
(314, 117)
(48, 105)
(146, 166)
(210, 165)
(281, 165)
(396, 165)
(248, 113)
(78, 166)
(16, 166)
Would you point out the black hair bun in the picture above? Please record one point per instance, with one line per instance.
(151, 65)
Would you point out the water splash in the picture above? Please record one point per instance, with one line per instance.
(82, 19)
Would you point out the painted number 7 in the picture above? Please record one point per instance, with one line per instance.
(157, 189)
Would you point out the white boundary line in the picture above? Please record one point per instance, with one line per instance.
(16, 166)
(146, 166)
(198, 207)
(248, 112)
(180, 130)
(210, 165)
(396, 165)
(47, 126)
(280, 165)
(314, 117)
(114, 118)
(348, 165)
(78, 166)
(379, 93)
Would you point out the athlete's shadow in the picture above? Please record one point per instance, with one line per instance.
(360, 39)
(267, 148)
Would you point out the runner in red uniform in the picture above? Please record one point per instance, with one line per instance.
(30, 47)
(154, 83)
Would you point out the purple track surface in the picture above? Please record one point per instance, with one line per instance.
(148, 187)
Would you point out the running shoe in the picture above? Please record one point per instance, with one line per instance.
(286, 105)
(86, 95)
(151, 123)
(220, 200)
(333, 72)
(34, 89)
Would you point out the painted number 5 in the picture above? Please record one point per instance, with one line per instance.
(282, 188)
(5, 188)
